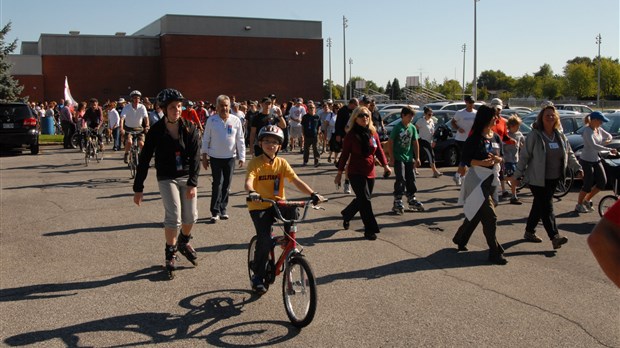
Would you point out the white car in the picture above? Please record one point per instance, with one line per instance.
(399, 106)
(459, 105)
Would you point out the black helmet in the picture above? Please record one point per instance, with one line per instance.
(167, 96)
(135, 92)
(271, 130)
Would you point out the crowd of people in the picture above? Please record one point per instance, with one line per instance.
(494, 158)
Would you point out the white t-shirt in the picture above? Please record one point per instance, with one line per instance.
(464, 119)
(113, 119)
(133, 117)
(426, 128)
(296, 113)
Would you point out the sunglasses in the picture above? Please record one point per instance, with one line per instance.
(362, 115)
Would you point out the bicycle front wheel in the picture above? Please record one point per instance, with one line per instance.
(251, 251)
(299, 291)
(565, 185)
(87, 154)
(133, 164)
(606, 203)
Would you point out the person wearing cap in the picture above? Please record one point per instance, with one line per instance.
(295, 115)
(594, 179)
(191, 115)
(542, 164)
(462, 122)
(501, 128)
(223, 140)
(264, 118)
(311, 124)
(202, 112)
(120, 104)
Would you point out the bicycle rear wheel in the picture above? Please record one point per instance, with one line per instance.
(299, 291)
(565, 185)
(606, 203)
(133, 164)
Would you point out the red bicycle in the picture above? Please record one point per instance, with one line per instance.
(298, 283)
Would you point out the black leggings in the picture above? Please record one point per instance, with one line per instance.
(593, 175)
(542, 208)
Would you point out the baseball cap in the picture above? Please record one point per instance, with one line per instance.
(265, 100)
(272, 96)
(121, 100)
(597, 115)
(497, 103)
(469, 99)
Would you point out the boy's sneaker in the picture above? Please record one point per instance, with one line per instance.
(224, 217)
(588, 205)
(581, 208)
(258, 286)
(214, 219)
(516, 201)
(347, 188)
(558, 240)
(457, 179)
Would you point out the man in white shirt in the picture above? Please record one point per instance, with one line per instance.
(114, 121)
(296, 113)
(222, 140)
(462, 122)
(133, 116)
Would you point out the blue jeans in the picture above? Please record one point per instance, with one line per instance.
(222, 171)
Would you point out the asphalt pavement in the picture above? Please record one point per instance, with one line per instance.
(82, 266)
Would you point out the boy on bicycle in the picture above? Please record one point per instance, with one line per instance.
(265, 178)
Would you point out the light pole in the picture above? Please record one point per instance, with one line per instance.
(329, 44)
(598, 93)
(344, 56)
(474, 87)
(463, 49)
(350, 79)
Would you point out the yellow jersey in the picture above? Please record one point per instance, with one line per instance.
(268, 179)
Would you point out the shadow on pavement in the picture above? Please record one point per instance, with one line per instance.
(114, 228)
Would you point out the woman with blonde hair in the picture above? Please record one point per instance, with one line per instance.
(360, 146)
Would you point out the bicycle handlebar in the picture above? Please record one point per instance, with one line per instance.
(276, 204)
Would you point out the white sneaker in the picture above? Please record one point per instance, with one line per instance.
(457, 179)
(347, 188)
(214, 219)
(581, 208)
(588, 205)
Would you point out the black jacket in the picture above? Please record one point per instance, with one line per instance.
(165, 148)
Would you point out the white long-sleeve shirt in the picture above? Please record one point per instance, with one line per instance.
(592, 143)
(223, 138)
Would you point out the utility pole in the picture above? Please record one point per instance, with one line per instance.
(474, 87)
(344, 56)
(598, 93)
(350, 78)
(329, 44)
(463, 49)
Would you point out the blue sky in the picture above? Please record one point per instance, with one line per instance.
(385, 39)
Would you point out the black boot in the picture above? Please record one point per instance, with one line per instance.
(185, 249)
(171, 255)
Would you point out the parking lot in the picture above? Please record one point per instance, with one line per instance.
(82, 266)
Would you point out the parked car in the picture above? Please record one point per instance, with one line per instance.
(18, 126)
(459, 105)
(610, 111)
(613, 126)
(570, 120)
(519, 112)
(399, 107)
(436, 105)
(574, 107)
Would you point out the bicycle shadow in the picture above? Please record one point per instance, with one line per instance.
(204, 311)
(113, 228)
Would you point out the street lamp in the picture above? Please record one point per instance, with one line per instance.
(598, 93)
(350, 79)
(474, 87)
(463, 49)
(344, 56)
(329, 44)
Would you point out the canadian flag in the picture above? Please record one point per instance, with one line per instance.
(68, 93)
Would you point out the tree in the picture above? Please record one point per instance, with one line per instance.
(544, 71)
(388, 89)
(610, 78)
(452, 89)
(581, 80)
(9, 87)
(550, 88)
(526, 86)
(397, 93)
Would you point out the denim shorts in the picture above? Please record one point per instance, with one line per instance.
(509, 169)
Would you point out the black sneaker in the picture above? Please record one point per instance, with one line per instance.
(370, 235)
(558, 240)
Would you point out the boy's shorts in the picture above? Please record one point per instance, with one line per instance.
(509, 169)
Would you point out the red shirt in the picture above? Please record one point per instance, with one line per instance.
(190, 115)
(360, 164)
(501, 129)
(613, 213)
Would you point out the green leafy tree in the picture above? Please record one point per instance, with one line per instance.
(580, 80)
(9, 87)
(610, 78)
(388, 89)
(495, 80)
(452, 89)
(544, 71)
(550, 88)
(336, 94)
(526, 86)
(579, 60)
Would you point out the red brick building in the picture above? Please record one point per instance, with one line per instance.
(201, 56)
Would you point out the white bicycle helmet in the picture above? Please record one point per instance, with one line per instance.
(271, 130)
(134, 93)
